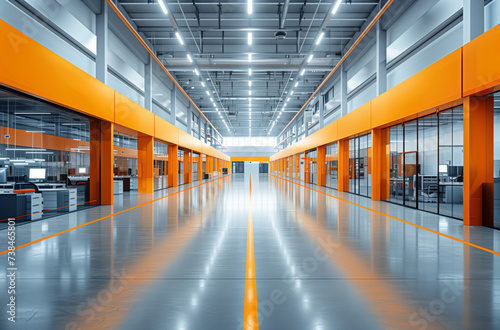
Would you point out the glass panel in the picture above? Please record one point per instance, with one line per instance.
(428, 163)
(496, 160)
(410, 164)
(396, 181)
(160, 165)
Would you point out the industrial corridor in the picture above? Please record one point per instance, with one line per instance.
(254, 252)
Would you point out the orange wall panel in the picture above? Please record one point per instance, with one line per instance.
(249, 159)
(438, 84)
(165, 131)
(131, 115)
(30, 67)
(481, 63)
(355, 122)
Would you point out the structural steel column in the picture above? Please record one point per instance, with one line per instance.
(148, 84)
(343, 164)
(321, 166)
(478, 161)
(381, 49)
(173, 166)
(379, 165)
(343, 91)
(145, 160)
(473, 22)
(101, 63)
(173, 101)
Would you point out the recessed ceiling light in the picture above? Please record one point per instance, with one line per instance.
(336, 7)
(196, 72)
(296, 84)
(249, 38)
(310, 58)
(250, 72)
(302, 72)
(320, 37)
(203, 84)
(163, 7)
(179, 38)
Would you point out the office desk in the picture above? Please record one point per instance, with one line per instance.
(452, 192)
(46, 186)
(62, 199)
(19, 205)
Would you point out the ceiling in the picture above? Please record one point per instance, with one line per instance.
(215, 34)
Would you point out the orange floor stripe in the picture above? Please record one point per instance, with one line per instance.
(392, 217)
(250, 312)
(106, 217)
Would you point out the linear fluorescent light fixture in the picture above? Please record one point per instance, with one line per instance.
(190, 58)
(250, 7)
(249, 72)
(202, 84)
(249, 57)
(296, 84)
(249, 38)
(310, 58)
(320, 37)
(215, 105)
(211, 99)
(249, 92)
(32, 113)
(21, 149)
(207, 92)
(302, 72)
(249, 83)
(291, 93)
(163, 7)
(336, 7)
(196, 72)
(180, 38)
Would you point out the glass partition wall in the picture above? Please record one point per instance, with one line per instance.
(496, 160)
(311, 158)
(332, 165)
(426, 163)
(42, 147)
(125, 162)
(359, 165)
(196, 158)
(160, 165)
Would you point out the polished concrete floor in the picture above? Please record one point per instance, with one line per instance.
(320, 263)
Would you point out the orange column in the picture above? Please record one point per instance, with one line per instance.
(321, 166)
(343, 164)
(107, 161)
(297, 166)
(379, 165)
(307, 169)
(188, 167)
(200, 167)
(173, 166)
(145, 160)
(101, 162)
(478, 161)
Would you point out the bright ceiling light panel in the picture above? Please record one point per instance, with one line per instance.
(249, 38)
(250, 83)
(250, 58)
(336, 7)
(302, 72)
(163, 7)
(249, 72)
(296, 84)
(320, 37)
(310, 58)
(203, 84)
(179, 38)
(196, 72)
(189, 58)
(250, 7)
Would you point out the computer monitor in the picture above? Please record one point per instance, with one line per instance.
(455, 171)
(3, 174)
(443, 168)
(37, 174)
(82, 170)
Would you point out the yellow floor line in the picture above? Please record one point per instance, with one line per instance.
(392, 217)
(250, 312)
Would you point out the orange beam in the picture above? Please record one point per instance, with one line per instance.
(145, 163)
